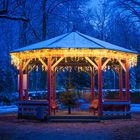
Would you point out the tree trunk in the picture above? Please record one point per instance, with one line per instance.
(23, 39)
(69, 109)
(44, 20)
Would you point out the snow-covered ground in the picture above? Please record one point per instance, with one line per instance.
(8, 109)
(14, 108)
(135, 107)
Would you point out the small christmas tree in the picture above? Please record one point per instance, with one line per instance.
(69, 99)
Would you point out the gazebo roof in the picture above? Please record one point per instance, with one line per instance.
(73, 40)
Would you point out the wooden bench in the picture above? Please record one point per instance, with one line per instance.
(54, 106)
(94, 106)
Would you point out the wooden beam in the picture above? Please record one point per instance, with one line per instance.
(53, 59)
(127, 85)
(105, 63)
(31, 68)
(92, 83)
(120, 84)
(57, 62)
(43, 63)
(100, 104)
(26, 64)
(72, 53)
(27, 84)
(122, 65)
(20, 81)
(54, 86)
(55, 69)
(49, 86)
(127, 81)
(78, 64)
(91, 62)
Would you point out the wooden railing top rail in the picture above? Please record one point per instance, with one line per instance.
(35, 102)
(115, 100)
(116, 103)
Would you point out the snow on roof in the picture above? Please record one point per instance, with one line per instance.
(74, 40)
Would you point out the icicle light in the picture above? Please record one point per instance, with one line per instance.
(74, 55)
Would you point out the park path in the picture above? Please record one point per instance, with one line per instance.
(14, 129)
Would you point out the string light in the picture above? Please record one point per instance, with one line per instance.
(75, 55)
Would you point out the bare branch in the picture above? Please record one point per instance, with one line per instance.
(34, 32)
(14, 18)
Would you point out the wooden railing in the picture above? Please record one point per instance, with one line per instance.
(116, 108)
(33, 109)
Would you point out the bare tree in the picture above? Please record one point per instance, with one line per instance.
(128, 8)
(5, 12)
(100, 19)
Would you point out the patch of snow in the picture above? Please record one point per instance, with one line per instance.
(10, 106)
(135, 108)
(8, 109)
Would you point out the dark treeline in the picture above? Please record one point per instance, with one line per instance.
(23, 22)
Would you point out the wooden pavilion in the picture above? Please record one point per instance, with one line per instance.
(74, 50)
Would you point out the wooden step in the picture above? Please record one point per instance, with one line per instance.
(73, 119)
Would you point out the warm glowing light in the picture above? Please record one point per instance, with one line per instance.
(74, 54)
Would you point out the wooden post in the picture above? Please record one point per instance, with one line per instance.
(27, 84)
(127, 81)
(53, 86)
(92, 83)
(127, 85)
(20, 81)
(54, 92)
(120, 83)
(49, 86)
(100, 108)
